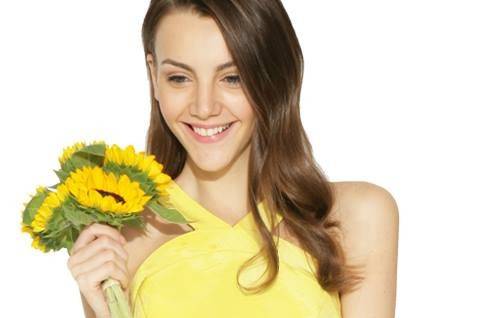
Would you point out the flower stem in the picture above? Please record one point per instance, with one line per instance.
(117, 301)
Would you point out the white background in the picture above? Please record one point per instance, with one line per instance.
(389, 95)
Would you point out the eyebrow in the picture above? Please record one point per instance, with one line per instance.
(219, 68)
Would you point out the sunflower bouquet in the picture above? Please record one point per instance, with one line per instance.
(98, 183)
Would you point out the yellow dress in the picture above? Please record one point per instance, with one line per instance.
(194, 274)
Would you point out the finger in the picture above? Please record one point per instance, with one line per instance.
(98, 246)
(102, 272)
(96, 261)
(92, 231)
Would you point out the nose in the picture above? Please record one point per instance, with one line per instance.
(206, 104)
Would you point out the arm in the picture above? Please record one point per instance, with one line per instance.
(89, 313)
(370, 237)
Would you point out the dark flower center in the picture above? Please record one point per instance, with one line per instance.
(115, 196)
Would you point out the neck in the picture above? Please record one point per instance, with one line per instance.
(222, 190)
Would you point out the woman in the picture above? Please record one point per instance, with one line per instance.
(225, 80)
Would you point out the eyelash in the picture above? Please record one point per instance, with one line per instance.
(174, 77)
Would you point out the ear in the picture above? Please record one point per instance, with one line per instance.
(154, 75)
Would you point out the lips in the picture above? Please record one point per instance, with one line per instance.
(210, 139)
(208, 126)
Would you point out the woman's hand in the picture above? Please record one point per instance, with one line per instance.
(98, 254)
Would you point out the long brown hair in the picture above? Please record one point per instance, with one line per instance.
(266, 51)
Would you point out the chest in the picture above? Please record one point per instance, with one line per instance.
(141, 243)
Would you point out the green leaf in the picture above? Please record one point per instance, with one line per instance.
(32, 207)
(56, 224)
(171, 215)
(116, 222)
(68, 166)
(94, 149)
(61, 174)
(135, 222)
(77, 217)
(54, 186)
(67, 240)
(80, 160)
(91, 155)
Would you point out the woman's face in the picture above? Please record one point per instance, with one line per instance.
(197, 88)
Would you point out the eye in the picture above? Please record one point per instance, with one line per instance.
(235, 79)
(176, 78)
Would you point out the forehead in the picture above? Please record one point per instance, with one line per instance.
(191, 39)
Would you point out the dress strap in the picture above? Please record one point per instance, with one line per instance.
(190, 209)
(201, 218)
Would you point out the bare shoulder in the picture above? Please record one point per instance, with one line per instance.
(368, 214)
(363, 203)
(369, 219)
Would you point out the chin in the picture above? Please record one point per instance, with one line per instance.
(211, 163)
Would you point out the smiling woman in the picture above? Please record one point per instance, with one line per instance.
(194, 91)
(225, 81)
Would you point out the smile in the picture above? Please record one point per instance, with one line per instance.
(210, 135)
(210, 132)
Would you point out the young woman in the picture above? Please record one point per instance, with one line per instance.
(269, 235)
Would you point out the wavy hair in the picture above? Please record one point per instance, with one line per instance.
(266, 51)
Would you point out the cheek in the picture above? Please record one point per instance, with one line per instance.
(250, 119)
(170, 105)
(240, 107)
(169, 113)
(246, 113)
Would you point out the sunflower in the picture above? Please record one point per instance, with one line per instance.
(45, 211)
(36, 243)
(93, 187)
(144, 163)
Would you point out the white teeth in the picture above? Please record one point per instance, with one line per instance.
(210, 131)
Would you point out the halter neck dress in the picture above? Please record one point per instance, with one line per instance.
(194, 274)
